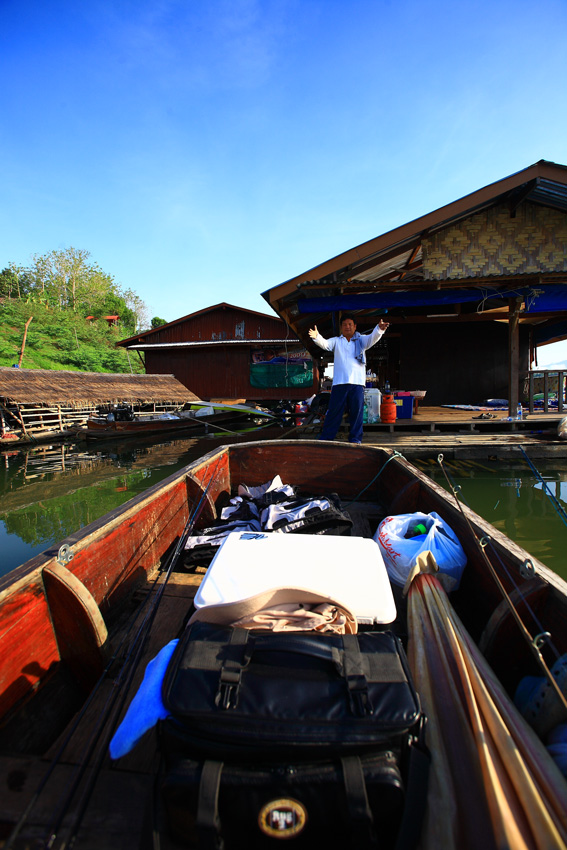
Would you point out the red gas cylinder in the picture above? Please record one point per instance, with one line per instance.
(388, 408)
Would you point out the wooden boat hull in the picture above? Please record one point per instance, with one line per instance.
(103, 430)
(120, 550)
(59, 610)
(98, 428)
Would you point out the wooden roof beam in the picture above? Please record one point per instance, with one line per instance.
(520, 195)
(461, 318)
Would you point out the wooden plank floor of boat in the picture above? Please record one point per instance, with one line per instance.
(121, 795)
(113, 817)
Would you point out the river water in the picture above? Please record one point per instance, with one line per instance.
(49, 491)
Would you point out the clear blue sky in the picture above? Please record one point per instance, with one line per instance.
(207, 150)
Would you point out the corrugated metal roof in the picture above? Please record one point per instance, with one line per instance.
(42, 386)
(549, 193)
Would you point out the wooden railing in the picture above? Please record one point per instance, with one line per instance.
(551, 383)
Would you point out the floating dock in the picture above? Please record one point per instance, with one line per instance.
(39, 404)
(460, 434)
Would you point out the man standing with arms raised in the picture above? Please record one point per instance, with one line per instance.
(349, 375)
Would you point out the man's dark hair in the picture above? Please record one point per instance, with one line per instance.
(348, 316)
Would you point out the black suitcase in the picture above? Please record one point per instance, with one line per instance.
(311, 737)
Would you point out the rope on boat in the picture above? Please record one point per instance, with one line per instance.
(533, 642)
(111, 710)
(395, 454)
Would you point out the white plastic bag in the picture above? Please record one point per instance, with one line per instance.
(400, 552)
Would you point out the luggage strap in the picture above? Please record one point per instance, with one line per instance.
(356, 667)
(419, 760)
(415, 804)
(208, 821)
(360, 814)
(236, 659)
(355, 675)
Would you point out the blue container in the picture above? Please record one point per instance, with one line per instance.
(404, 406)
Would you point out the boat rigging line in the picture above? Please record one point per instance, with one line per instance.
(534, 643)
(554, 501)
(394, 455)
(112, 708)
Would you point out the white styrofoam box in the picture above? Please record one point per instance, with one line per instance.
(349, 570)
(373, 400)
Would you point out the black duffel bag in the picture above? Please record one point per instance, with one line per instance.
(306, 735)
(261, 694)
(350, 802)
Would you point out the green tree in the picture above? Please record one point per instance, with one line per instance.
(62, 276)
(68, 279)
(14, 281)
(157, 322)
(8, 283)
(140, 310)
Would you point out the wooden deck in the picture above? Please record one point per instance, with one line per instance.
(460, 433)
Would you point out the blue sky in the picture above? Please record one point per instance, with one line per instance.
(207, 150)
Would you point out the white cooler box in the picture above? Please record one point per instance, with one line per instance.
(349, 570)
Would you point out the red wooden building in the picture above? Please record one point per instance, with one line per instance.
(226, 352)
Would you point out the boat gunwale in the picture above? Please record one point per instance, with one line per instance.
(80, 539)
(108, 522)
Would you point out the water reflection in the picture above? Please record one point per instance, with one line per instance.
(514, 499)
(50, 491)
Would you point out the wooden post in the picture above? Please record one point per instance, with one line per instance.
(532, 390)
(18, 414)
(514, 305)
(24, 341)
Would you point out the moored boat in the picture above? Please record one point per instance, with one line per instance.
(122, 422)
(73, 622)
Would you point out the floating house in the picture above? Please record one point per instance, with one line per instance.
(470, 291)
(226, 352)
(36, 403)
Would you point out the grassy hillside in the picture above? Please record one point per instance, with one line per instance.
(60, 339)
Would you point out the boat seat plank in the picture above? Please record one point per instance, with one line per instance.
(79, 626)
(172, 612)
(183, 584)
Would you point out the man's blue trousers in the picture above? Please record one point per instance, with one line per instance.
(349, 397)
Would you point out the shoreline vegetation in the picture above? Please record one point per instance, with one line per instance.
(57, 340)
(64, 312)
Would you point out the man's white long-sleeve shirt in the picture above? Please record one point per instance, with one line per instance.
(347, 369)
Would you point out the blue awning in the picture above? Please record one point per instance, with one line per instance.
(538, 299)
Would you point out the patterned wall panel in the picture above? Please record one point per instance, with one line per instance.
(494, 243)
